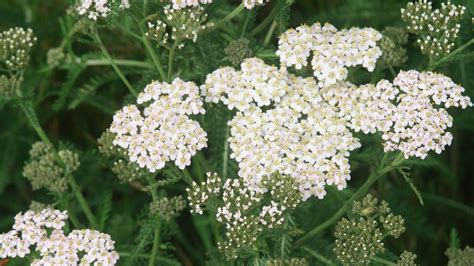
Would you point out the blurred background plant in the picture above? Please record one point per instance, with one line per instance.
(76, 92)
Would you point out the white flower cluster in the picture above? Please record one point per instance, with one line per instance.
(332, 50)
(237, 199)
(420, 120)
(95, 9)
(15, 45)
(299, 135)
(178, 4)
(44, 230)
(367, 108)
(242, 227)
(257, 84)
(313, 150)
(186, 24)
(164, 132)
(200, 194)
(249, 4)
(437, 28)
(272, 215)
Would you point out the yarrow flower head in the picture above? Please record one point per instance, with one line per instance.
(420, 120)
(255, 85)
(238, 50)
(298, 135)
(359, 238)
(332, 51)
(391, 44)
(287, 262)
(44, 170)
(243, 211)
(168, 208)
(407, 259)
(15, 46)
(178, 25)
(249, 4)
(42, 232)
(437, 29)
(163, 131)
(96, 9)
(178, 4)
(367, 108)
(459, 256)
(123, 168)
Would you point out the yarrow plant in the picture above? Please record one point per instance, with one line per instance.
(200, 132)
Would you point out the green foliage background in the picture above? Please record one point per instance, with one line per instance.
(75, 105)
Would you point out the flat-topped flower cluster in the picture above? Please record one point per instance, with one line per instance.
(96, 9)
(163, 131)
(244, 211)
(178, 4)
(300, 135)
(42, 232)
(332, 51)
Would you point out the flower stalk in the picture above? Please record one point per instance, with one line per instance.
(383, 169)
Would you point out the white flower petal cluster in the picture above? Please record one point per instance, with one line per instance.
(420, 120)
(237, 199)
(198, 195)
(95, 9)
(298, 135)
(312, 150)
(255, 85)
(272, 215)
(249, 4)
(437, 29)
(178, 4)
(332, 51)
(367, 108)
(163, 131)
(44, 230)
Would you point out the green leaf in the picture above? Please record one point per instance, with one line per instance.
(404, 171)
(454, 239)
(105, 208)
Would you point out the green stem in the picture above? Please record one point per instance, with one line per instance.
(318, 256)
(114, 65)
(82, 202)
(119, 62)
(33, 120)
(152, 52)
(227, 18)
(187, 177)
(432, 66)
(449, 202)
(264, 23)
(374, 176)
(225, 155)
(269, 35)
(156, 238)
(383, 261)
(246, 23)
(129, 32)
(171, 60)
(203, 161)
(392, 70)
